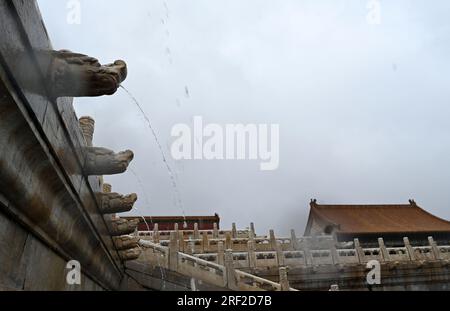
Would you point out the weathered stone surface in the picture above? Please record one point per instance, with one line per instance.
(353, 277)
(102, 161)
(29, 264)
(115, 203)
(76, 75)
(126, 242)
(123, 226)
(41, 198)
(162, 279)
(12, 274)
(42, 168)
(131, 254)
(87, 125)
(107, 188)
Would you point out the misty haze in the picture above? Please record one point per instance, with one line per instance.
(362, 106)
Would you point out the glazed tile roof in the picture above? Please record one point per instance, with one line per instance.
(408, 218)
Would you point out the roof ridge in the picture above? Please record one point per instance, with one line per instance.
(364, 205)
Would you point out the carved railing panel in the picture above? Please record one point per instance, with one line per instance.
(423, 253)
(445, 252)
(202, 269)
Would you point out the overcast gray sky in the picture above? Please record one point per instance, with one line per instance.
(363, 109)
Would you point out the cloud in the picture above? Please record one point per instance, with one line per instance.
(363, 109)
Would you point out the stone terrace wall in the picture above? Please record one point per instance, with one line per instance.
(49, 212)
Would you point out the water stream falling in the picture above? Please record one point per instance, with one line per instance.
(147, 201)
(169, 170)
(141, 185)
(163, 155)
(171, 173)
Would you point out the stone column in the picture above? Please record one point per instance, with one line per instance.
(215, 231)
(359, 252)
(280, 255)
(196, 232)
(87, 125)
(284, 281)
(273, 240)
(409, 249)
(251, 254)
(434, 249)
(220, 253)
(384, 252)
(229, 266)
(234, 231)
(173, 252)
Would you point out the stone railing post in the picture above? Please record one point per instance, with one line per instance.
(294, 240)
(181, 243)
(196, 232)
(205, 242)
(334, 254)
(284, 281)
(220, 253)
(215, 231)
(156, 234)
(309, 260)
(252, 242)
(228, 241)
(359, 251)
(251, 237)
(252, 230)
(173, 252)
(434, 248)
(251, 254)
(383, 250)
(190, 248)
(234, 233)
(229, 266)
(280, 255)
(273, 240)
(409, 249)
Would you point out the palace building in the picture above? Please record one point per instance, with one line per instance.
(392, 222)
(167, 223)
